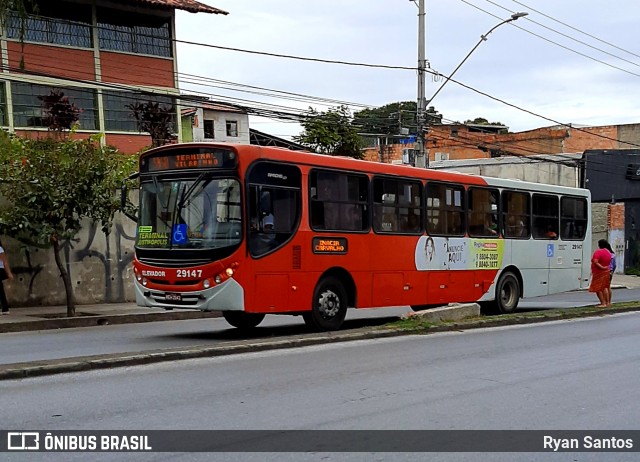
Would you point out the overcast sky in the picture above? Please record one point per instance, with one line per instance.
(544, 63)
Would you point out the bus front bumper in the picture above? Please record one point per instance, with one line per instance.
(228, 296)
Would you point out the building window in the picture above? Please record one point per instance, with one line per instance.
(134, 33)
(58, 23)
(3, 105)
(119, 117)
(209, 129)
(232, 128)
(28, 110)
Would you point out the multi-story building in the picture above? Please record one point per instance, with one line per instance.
(103, 54)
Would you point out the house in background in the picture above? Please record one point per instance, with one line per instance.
(209, 121)
(103, 54)
(221, 122)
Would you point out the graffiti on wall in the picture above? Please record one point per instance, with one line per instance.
(99, 266)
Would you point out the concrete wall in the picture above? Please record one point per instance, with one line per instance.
(537, 169)
(99, 266)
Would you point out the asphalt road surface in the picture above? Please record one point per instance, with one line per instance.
(576, 374)
(129, 338)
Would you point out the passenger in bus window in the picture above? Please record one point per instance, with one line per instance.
(267, 223)
(413, 222)
(490, 226)
(264, 239)
(551, 234)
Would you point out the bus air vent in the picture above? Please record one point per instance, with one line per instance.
(297, 257)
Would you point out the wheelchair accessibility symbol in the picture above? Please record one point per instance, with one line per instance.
(179, 234)
(549, 250)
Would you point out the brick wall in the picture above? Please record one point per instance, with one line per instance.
(615, 218)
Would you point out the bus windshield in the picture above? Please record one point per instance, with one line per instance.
(201, 213)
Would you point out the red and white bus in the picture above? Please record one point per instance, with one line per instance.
(251, 230)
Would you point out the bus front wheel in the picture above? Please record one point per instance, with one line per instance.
(329, 306)
(507, 293)
(243, 320)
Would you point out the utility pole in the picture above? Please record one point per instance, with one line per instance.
(422, 159)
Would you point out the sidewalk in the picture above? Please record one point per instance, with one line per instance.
(55, 317)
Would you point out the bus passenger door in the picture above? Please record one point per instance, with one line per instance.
(274, 210)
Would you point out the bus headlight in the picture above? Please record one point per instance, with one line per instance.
(206, 284)
(229, 272)
(144, 281)
(218, 279)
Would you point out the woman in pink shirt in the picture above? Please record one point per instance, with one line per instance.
(600, 279)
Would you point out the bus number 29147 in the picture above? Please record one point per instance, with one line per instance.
(188, 273)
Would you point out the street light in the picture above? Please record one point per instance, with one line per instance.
(421, 116)
(482, 39)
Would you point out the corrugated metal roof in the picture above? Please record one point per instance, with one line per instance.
(187, 5)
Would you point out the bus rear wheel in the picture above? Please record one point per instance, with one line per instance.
(243, 320)
(329, 306)
(507, 293)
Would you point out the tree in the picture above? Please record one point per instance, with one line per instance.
(61, 114)
(154, 119)
(481, 121)
(331, 132)
(392, 119)
(51, 186)
(387, 119)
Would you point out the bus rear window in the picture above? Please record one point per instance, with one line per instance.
(573, 218)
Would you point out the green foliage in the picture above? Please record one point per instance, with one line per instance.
(481, 121)
(51, 186)
(61, 114)
(154, 119)
(387, 119)
(48, 187)
(331, 132)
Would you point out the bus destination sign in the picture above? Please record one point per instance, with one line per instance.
(190, 160)
(182, 161)
(329, 245)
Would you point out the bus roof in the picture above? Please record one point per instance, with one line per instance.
(310, 159)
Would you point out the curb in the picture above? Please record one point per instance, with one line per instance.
(90, 363)
(103, 320)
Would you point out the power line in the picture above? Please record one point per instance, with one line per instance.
(576, 29)
(568, 36)
(555, 43)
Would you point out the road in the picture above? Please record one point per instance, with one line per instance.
(71, 343)
(577, 374)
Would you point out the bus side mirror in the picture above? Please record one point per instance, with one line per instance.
(125, 206)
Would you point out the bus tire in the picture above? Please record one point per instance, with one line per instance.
(329, 306)
(507, 293)
(243, 320)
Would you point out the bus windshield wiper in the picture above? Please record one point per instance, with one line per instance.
(187, 193)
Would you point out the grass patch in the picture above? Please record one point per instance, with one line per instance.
(520, 317)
